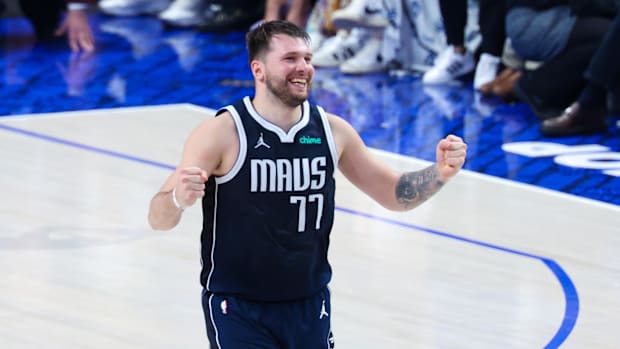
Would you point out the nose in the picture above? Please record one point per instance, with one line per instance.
(303, 64)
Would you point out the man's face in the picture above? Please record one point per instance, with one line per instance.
(288, 71)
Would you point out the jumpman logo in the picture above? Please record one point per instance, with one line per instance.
(261, 142)
(324, 313)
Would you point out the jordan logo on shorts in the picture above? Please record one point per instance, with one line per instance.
(261, 142)
(324, 313)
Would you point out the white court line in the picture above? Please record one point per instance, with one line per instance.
(106, 111)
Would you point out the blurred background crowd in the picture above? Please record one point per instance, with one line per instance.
(560, 57)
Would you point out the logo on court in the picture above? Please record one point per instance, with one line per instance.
(261, 142)
(324, 313)
(224, 307)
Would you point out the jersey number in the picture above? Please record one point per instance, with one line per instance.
(303, 201)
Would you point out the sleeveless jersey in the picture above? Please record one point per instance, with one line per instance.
(266, 223)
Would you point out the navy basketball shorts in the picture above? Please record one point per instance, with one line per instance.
(234, 323)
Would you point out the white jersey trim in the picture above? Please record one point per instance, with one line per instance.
(217, 334)
(214, 233)
(285, 137)
(330, 137)
(243, 146)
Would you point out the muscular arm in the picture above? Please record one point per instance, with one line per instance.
(187, 186)
(210, 150)
(395, 191)
(413, 188)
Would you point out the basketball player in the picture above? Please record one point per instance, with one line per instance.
(264, 170)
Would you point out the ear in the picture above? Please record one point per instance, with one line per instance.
(257, 70)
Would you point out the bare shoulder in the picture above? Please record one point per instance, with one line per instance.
(340, 127)
(214, 130)
(219, 123)
(213, 144)
(345, 135)
(336, 122)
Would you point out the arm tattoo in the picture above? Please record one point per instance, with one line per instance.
(413, 188)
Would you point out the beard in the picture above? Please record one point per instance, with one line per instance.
(280, 89)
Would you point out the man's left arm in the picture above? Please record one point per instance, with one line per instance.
(395, 191)
(414, 188)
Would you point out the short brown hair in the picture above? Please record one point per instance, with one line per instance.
(258, 39)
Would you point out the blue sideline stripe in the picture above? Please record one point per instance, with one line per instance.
(571, 312)
(86, 147)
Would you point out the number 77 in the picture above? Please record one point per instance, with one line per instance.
(301, 201)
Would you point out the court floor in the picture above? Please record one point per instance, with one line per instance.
(487, 263)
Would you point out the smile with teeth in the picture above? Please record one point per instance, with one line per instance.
(299, 82)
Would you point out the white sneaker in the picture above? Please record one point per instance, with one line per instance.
(486, 70)
(339, 48)
(133, 7)
(449, 65)
(367, 60)
(316, 40)
(362, 14)
(183, 13)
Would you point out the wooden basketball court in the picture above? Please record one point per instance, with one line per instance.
(486, 263)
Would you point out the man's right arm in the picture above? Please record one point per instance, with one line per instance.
(203, 154)
(181, 190)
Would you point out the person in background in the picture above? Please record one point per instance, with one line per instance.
(563, 37)
(47, 21)
(456, 60)
(588, 113)
(205, 15)
(358, 36)
(297, 11)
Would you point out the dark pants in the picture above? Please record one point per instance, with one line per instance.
(491, 18)
(234, 323)
(44, 15)
(558, 82)
(604, 67)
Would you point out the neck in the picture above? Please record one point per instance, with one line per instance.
(273, 110)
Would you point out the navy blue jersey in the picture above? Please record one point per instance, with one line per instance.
(266, 223)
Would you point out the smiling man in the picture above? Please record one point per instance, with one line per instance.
(264, 170)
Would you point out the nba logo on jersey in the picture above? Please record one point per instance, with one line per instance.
(224, 307)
